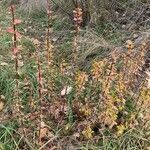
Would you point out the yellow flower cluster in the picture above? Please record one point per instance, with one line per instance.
(109, 114)
(120, 129)
(144, 98)
(88, 132)
(80, 80)
(85, 110)
(115, 85)
(97, 70)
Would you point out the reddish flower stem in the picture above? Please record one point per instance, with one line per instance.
(15, 47)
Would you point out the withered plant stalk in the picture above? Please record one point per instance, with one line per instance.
(49, 53)
(109, 77)
(77, 22)
(39, 76)
(15, 55)
(40, 91)
(48, 32)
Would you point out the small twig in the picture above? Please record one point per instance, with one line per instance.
(47, 142)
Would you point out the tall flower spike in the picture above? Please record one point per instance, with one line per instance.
(49, 54)
(15, 50)
(77, 18)
(80, 81)
(97, 70)
(77, 13)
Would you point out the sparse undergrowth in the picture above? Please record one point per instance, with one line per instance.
(49, 101)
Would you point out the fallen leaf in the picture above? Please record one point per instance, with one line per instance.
(3, 64)
(66, 90)
(1, 105)
(76, 135)
(35, 41)
(20, 63)
(44, 132)
(25, 30)
(148, 148)
(2, 97)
